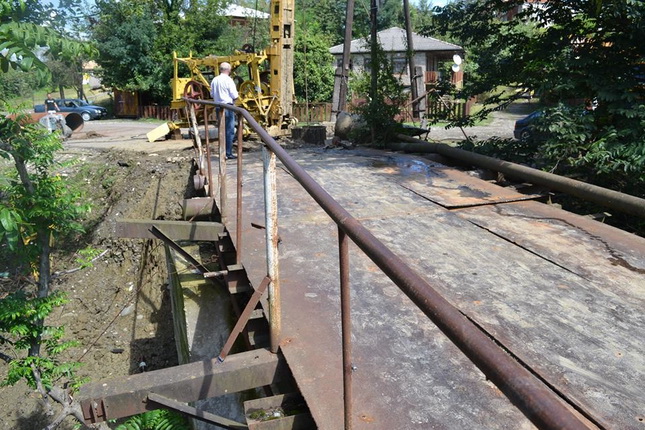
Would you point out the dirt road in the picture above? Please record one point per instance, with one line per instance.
(501, 126)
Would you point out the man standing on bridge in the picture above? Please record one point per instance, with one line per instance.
(223, 90)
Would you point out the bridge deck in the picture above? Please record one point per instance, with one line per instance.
(563, 293)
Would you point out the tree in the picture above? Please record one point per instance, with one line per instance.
(35, 206)
(567, 52)
(136, 40)
(313, 70)
(379, 109)
(126, 33)
(38, 205)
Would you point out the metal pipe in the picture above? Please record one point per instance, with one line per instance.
(346, 323)
(208, 153)
(238, 220)
(221, 142)
(603, 196)
(540, 405)
(271, 232)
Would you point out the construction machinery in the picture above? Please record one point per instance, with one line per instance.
(264, 78)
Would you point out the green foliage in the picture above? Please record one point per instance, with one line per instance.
(380, 109)
(158, 419)
(136, 40)
(327, 18)
(86, 255)
(21, 38)
(42, 199)
(21, 319)
(16, 83)
(126, 35)
(313, 69)
(567, 53)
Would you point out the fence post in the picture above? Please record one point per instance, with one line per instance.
(271, 221)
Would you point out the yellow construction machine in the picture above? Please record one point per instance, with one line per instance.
(264, 79)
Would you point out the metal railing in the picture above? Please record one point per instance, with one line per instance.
(540, 405)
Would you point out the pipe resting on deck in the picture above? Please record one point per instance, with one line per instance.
(603, 196)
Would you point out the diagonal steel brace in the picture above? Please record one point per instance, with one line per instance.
(244, 318)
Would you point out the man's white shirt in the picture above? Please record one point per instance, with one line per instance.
(223, 89)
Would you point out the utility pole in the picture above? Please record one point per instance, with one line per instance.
(349, 22)
(410, 55)
(374, 65)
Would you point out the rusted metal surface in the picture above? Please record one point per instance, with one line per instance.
(546, 305)
(192, 412)
(452, 188)
(122, 397)
(244, 318)
(592, 250)
(177, 230)
(583, 190)
(346, 325)
(199, 207)
(72, 119)
(522, 387)
(399, 382)
(271, 229)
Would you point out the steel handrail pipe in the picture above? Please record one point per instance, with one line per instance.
(538, 403)
(603, 196)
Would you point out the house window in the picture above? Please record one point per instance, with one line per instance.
(400, 66)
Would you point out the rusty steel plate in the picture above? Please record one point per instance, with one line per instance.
(406, 369)
(453, 188)
(570, 329)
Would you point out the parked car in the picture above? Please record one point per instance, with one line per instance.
(524, 127)
(81, 107)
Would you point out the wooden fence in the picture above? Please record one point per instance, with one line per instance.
(321, 112)
(155, 111)
(449, 109)
(317, 112)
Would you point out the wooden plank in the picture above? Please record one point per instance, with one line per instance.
(176, 230)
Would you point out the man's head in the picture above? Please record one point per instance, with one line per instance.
(225, 68)
(49, 95)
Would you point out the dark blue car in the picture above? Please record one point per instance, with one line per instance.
(81, 107)
(524, 127)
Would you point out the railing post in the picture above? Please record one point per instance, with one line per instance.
(346, 324)
(238, 222)
(208, 152)
(271, 221)
(222, 163)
